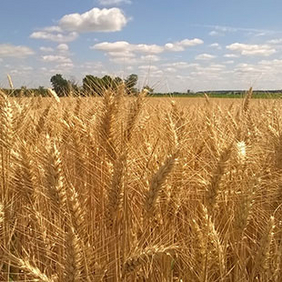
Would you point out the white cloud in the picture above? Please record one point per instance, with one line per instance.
(124, 54)
(230, 56)
(99, 20)
(215, 45)
(229, 62)
(9, 50)
(275, 41)
(67, 65)
(215, 33)
(179, 46)
(192, 42)
(181, 65)
(247, 68)
(132, 58)
(252, 49)
(220, 28)
(150, 58)
(173, 47)
(92, 65)
(215, 67)
(148, 67)
(46, 49)
(273, 63)
(124, 60)
(54, 28)
(21, 70)
(54, 34)
(62, 47)
(205, 56)
(113, 2)
(123, 46)
(145, 48)
(170, 70)
(56, 58)
(119, 46)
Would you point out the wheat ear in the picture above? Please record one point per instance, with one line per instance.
(156, 183)
(213, 186)
(247, 99)
(135, 261)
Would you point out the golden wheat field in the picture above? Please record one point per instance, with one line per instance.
(140, 189)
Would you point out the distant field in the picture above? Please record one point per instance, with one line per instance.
(258, 95)
(140, 189)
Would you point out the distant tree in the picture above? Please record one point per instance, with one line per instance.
(42, 91)
(60, 85)
(92, 85)
(130, 83)
(107, 82)
(23, 91)
(149, 89)
(73, 86)
(117, 81)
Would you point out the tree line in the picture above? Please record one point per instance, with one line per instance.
(91, 86)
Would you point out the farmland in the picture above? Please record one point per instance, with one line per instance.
(121, 188)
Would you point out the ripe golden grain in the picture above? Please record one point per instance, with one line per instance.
(104, 189)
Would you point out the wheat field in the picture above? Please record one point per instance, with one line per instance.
(140, 189)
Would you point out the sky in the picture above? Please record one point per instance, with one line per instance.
(171, 45)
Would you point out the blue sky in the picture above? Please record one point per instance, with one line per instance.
(171, 45)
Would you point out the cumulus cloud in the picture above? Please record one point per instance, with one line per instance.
(215, 45)
(68, 65)
(181, 65)
(252, 49)
(215, 33)
(145, 48)
(62, 47)
(179, 46)
(230, 56)
(46, 49)
(57, 59)
(9, 50)
(275, 41)
(205, 56)
(272, 63)
(148, 67)
(122, 54)
(150, 58)
(123, 46)
(113, 2)
(95, 20)
(132, 58)
(229, 62)
(170, 70)
(54, 33)
(119, 46)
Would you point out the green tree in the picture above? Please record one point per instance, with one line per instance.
(60, 85)
(107, 82)
(130, 83)
(42, 91)
(92, 85)
(117, 81)
(149, 89)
